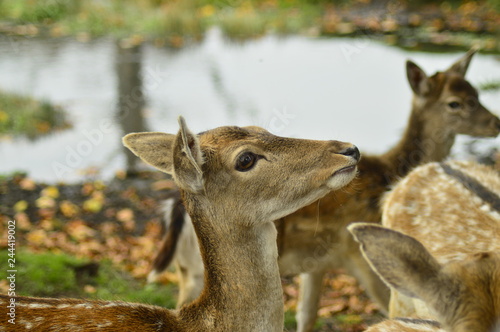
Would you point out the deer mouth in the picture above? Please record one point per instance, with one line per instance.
(345, 170)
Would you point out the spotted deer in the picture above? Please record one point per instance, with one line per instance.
(439, 249)
(234, 182)
(453, 209)
(315, 239)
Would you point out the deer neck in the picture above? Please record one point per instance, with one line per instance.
(424, 140)
(242, 289)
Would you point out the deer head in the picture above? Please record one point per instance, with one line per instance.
(451, 101)
(274, 173)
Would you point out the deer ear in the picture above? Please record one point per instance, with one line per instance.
(417, 78)
(155, 149)
(460, 67)
(400, 260)
(188, 160)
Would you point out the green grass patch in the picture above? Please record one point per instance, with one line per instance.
(28, 117)
(43, 274)
(290, 322)
(59, 275)
(490, 86)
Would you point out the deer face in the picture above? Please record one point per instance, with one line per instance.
(449, 102)
(285, 172)
(277, 174)
(462, 109)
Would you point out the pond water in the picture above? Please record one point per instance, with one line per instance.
(322, 88)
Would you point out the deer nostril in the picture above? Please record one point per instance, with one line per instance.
(351, 152)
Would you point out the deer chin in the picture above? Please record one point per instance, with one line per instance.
(342, 177)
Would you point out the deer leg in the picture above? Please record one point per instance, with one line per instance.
(307, 308)
(376, 289)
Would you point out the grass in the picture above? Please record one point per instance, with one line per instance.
(55, 275)
(490, 86)
(25, 116)
(174, 22)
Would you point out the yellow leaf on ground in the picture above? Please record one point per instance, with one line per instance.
(92, 205)
(79, 231)
(45, 202)
(68, 209)
(20, 206)
(50, 191)
(36, 237)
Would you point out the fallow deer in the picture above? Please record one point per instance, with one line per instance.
(453, 209)
(463, 293)
(315, 239)
(234, 183)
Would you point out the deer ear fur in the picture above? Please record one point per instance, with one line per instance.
(155, 149)
(188, 160)
(419, 82)
(460, 67)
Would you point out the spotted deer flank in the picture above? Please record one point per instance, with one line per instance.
(439, 249)
(234, 182)
(315, 239)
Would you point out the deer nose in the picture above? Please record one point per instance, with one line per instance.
(351, 152)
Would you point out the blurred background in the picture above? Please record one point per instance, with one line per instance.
(75, 76)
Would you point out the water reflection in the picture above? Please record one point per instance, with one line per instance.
(130, 97)
(294, 86)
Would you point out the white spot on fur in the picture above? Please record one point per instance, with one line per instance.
(37, 305)
(27, 325)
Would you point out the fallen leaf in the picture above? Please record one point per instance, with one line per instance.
(36, 237)
(79, 231)
(125, 215)
(27, 184)
(68, 209)
(92, 205)
(22, 221)
(45, 202)
(20, 206)
(50, 191)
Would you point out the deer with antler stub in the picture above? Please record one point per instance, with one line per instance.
(440, 252)
(234, 182)
(315, 239)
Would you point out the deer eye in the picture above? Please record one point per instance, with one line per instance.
(454, 105)
(246, 161)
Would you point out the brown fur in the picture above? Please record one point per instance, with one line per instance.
(234, 225)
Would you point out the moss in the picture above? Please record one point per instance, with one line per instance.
(24, 116)
(54, 275)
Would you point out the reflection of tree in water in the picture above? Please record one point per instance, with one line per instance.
(130, 97)
(231, 103)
